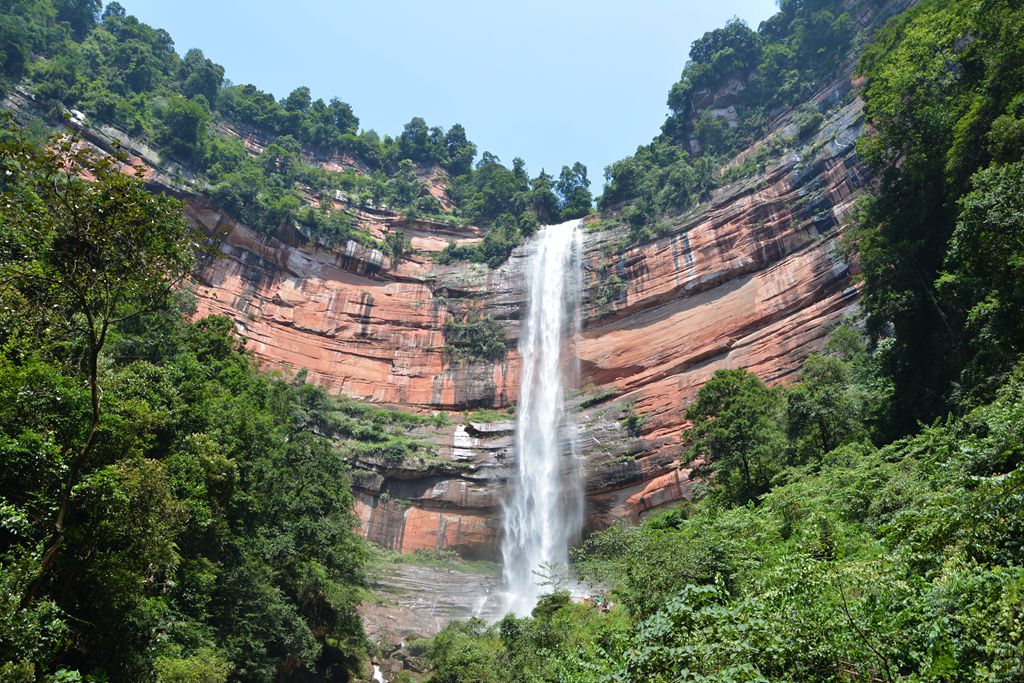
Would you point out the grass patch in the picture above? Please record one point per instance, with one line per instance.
(488, 415)
(633, 422)
(435, 559)
(393, 450)
(599, 396)
(377, 415)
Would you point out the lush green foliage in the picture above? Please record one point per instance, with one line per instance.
(167, 512)
(480, 338)
(206, 532)
(120, 71)
(514, 205)
(944, 97)
(737, 433)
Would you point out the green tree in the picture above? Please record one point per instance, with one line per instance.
(543, 200)
(420, 143)
(826, 409)
(15, 49)
(345, 119)
(404, 186)
(737, 436)
(922, 78)
(397, 244)
(984, 276)
(184, 128)
(200, 76)
(80, 15)
(101, 251)
(298, 100)
(573, 188)
(459, 150)
(466, 652)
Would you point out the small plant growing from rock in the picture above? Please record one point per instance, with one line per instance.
(633, 422)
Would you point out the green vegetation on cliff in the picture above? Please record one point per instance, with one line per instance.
(169, 513)
(119, 71)
(480, 338)
(736, 83)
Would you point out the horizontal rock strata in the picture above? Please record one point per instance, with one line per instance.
(752, 278)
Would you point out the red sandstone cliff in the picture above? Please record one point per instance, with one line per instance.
(749, 279)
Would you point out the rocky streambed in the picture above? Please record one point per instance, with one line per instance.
(412, 602)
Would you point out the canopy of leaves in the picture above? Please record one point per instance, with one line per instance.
(737, 433)
(944, 91)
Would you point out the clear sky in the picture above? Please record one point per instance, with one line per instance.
(553, 82)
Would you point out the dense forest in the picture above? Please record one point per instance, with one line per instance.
(866, 522)
(167, 508)
(168, 512)
(116, 70)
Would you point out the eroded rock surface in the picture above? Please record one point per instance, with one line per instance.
(752, 278)
(412, 602)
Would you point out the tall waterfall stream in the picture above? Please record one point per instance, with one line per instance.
(544, 512)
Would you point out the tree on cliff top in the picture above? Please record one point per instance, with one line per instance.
(574, 188)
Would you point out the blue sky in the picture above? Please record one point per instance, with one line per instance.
(552, 82)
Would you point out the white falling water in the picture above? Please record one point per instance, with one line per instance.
(544, 513)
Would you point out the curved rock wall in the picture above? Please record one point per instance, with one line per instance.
(753, 278)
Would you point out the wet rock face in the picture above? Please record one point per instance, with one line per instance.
(408, 606)
(450, 501)
(753, 278)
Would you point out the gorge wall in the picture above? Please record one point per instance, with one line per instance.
(752, 278)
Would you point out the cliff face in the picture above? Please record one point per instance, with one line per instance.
(752, 278)
(360, 324)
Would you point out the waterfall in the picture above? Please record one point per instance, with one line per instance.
(544, 512)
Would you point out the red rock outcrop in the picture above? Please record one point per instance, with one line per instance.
(360, 325)
(749, 279)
